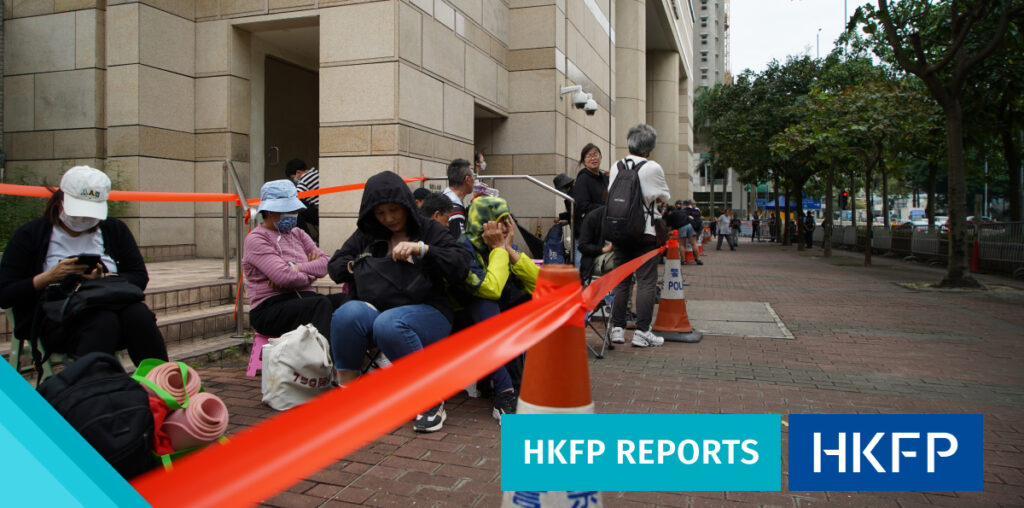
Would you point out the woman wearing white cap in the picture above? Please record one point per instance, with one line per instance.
(281, 262)
(49, 249)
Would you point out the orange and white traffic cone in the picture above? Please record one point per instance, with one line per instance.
(673, 323)
(556, 380)
(689, 253)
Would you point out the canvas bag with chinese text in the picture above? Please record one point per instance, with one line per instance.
(296, 367)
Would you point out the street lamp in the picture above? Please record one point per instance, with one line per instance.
(818, 39)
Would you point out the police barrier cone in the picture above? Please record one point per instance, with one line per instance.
(689, 253)
(673, 323)
(556, 380)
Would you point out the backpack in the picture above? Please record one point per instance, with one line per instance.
(108, 408)
(625, 217)
(554, 251)
(698, 225)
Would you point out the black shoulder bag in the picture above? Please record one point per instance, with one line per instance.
(386, 283)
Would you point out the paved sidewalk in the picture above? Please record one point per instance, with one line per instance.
(862, 344)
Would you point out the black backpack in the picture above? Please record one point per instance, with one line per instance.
(625, 218)
(108, 408)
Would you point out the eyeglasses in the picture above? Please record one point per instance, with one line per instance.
(593, 156)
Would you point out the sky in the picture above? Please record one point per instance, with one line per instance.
(762, 30)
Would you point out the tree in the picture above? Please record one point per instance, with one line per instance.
(940, 43)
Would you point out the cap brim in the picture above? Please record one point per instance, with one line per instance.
(81, 208)
(283, 205)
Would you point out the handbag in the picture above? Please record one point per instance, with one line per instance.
(297, 366)
(660, 231)
(69, 300)
(386, 283)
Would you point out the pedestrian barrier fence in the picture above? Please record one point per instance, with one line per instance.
(1000, 245)
(273, 455)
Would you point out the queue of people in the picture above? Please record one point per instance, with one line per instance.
(418, 267)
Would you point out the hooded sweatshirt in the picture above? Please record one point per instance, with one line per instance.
(489, 269)
(444, 260)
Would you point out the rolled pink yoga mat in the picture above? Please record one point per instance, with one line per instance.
(202, 422)
(168, 377)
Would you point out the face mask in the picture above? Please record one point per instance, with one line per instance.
(483, 165)
(286, 223)
(78, 224)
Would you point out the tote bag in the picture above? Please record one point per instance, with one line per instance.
(296, 367)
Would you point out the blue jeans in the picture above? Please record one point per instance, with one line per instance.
(481, 310)
(397, 332)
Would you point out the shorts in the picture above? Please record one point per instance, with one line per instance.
(687, 231)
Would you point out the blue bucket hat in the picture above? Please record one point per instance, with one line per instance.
(279, 196)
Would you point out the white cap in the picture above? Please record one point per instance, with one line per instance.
(85, 192)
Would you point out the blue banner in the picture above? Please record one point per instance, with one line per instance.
(885, 452)
(641, 452)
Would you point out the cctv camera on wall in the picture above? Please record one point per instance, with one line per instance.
(579, 100)
(590, 107)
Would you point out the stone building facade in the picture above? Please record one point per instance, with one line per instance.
(159, 93)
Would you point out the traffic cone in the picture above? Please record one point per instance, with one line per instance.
(689, 253)
(556, 380)
(673, 323)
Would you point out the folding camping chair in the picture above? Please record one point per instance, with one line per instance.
(600, 321)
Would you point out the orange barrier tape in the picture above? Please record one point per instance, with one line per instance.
(607, 282)
(33, 191)
(275, 454)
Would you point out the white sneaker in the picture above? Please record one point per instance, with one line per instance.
(618, 335)
(648, 338)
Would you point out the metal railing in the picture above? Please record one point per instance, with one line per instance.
(572, 202)
(1000, 245)
(241, 211)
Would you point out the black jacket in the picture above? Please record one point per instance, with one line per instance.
(26, 252)
(587, 193)
(591, 242)
(445, 259)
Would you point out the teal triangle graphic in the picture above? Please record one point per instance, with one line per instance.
(45, 462)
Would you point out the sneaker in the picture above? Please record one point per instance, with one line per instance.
(618, 335)
(645, 339)
(430, 421)
(699, 262)
(504, 404)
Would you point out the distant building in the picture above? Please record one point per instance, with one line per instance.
(711, 57)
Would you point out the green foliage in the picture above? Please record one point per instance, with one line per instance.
(15, 211)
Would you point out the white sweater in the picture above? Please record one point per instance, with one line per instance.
(652, 185)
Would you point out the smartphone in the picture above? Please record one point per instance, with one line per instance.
(89, 260)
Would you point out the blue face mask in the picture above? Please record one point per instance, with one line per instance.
(287, 222)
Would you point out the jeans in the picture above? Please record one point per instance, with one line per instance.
(646, 284)
(397, 332)
(481, 310)
(727, 238)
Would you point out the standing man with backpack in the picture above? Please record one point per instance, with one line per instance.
(636, 185)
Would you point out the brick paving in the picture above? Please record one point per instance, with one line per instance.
(863, 344)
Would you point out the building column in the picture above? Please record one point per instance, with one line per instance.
(630, 70)
(663, 113)
(684, 160)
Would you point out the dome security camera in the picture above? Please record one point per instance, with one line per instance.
(590, 107)
(579, 99)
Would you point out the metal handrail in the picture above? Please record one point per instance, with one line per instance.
(572, 202)
(241, 230)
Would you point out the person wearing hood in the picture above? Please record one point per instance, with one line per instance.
(499, 278)
(50, 250)
(281, 263)
(394, 244)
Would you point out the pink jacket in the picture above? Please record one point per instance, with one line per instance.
(269, 257)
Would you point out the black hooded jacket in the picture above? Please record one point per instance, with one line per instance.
(445, 259)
